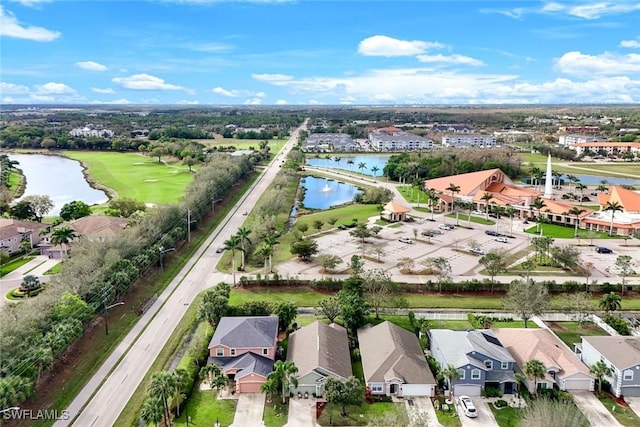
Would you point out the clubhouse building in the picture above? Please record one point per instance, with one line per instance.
(625, 222)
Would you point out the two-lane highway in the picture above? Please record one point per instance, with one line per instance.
(104, 397)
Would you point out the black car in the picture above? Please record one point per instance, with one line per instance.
(343, 227)
(492, 233)
(603, 250)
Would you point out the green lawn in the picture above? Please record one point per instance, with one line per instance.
(243, 144)
(570, 332)
(204, 409)
(623, 414)
(54, 270)
(464, 219)
(507, 417)
(562, 232)
(449, 418)
(14, 265)
(275, 414)
(136, 176)
(331, 413)
(629, 168)
(413, 194)
(358, 371)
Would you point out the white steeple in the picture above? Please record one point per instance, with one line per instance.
(548, 183)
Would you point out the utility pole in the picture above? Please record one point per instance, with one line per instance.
(189, 222)
(106, 311)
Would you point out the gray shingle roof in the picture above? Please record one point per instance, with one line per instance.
(247, 363)
(245, 332)
(623, 352)
(456, 346)
(319, 345)
(389, 351)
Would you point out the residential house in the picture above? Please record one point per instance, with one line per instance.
(479, 357)
(319, 351)
(395, 211)
(621, 354)
(564, 369)
(393, 362)
(625, 222)
(244, 349)
(13, 232)
(470, 140)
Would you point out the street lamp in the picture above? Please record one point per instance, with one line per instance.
(106, 311)
(163, 251)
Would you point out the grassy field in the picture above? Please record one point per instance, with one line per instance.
(464, 219)
(242, 144)
(413, 194)
(357, 415)
(136, 176)
(570, 332)
(628, 168)
(204, 409)
(562, 232)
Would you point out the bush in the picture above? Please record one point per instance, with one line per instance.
(620, 325)
(500, 403)
(492, 392)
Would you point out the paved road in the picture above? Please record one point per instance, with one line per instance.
(104, 397)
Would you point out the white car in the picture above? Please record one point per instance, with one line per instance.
(501, 239)
(477, 251)
(405, 240)
(468, 407)
(445, 227)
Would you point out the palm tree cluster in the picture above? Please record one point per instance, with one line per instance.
(280, 379)
(165, 390)
(240, 242)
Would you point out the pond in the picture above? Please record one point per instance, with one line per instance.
(59, 178)
(342, 162)
(323, 193)
(595, 180)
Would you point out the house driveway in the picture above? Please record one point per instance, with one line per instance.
(301, 413)
(249, 410)
(420, 406)
(485, 417)
(634, 404)
(594, 410)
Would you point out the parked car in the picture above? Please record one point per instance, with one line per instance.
(343, 227)
(477, 251)
(492, 233)
(468, 407)
(445, 227)
(428, 233)
(477, 213)
(501, 239)
(603, 250)
(405, 240)
(219, 250)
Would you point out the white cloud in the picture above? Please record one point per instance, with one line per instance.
(120, 101)
(91, 66)
(387, 46)
(53, 88)
(597, 10)
(10, 88)
(579, 64)
(450, 59)
(145, 82)
(234, 93)
(188, 102)
(552, 7)
(107, 91)
(10, 27)
(281, 102)
(274, 79)
(253, 101)
(208, 47)
(631, 44)
(31, 2)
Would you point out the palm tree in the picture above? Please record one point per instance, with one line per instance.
(486, 197)
(265, 251)
(459, 204)
(538, 204)
(284, 373)
(469, 207)
(62, 236)
(450, 373)
(572, 179)
(600, 370)
(233, 244)
(162, 386)
(534, 171)
(350, 162)
(613, 207)
(535, 370)
(576, 211)
(271, 241)
(433, 198)
(454, 189)
(152, 410)
(181, 377)
(610, 302)
(42, 358)
(361, 166)
(209, 372)
(581, 187)
(270, 388)
(602, 188)
(556, 176)
(510, 211)
(219, 382)
(374, 170)
(243, 234)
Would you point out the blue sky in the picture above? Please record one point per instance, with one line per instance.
(319, 52)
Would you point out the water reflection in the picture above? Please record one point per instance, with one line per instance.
(322, 193)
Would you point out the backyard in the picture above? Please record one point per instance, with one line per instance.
(570, 332)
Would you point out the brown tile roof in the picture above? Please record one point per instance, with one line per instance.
(469, 183)
(558, 207)
(396, 207)
(319, 345)
(630, 200)
(99, 226)
(389, 351)
(540, 344)
(498, 199)
(10, 227)
(623, 352)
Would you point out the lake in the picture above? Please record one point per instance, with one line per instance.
(323, 193)
(59, 178)
(340, 162)
(595, 180)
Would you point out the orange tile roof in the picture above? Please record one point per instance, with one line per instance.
(498, 199)
(603, 199)
(630, 200)
(558, 207)
(510, 190)
(469, 183)
(396, 207)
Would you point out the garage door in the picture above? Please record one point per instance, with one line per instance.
(631, 391)
(578, 384)
(469, 390)
(416, 390)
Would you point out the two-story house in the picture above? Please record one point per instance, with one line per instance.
(244, 349)
(479, 357)
(621, 354)
(13, 232)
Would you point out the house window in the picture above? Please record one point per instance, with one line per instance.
(488, 364)
(265, 351)
(233, 351)
(628, 375)
(461, 373)
(219, 352)
(376, 388)
(504, 365)
(475, 374)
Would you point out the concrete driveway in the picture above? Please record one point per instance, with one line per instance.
(301, 413)
(249, 410)
(417, 409)
(594, 410)
(634, 404)
(485, 417)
